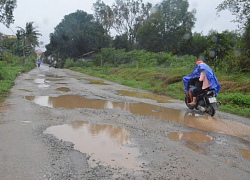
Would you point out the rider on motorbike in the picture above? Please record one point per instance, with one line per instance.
(207, 80)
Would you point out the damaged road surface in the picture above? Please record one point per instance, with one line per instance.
(61, 124)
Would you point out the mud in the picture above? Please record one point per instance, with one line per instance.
(48, 132)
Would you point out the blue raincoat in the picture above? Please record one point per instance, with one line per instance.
(214, 84)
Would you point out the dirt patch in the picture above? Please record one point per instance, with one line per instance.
(231, 86)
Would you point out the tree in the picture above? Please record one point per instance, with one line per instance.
(8, 43)
(129, 15)
(218, 47)
(28, 37)
(76, 35)
(121, 42)
(240, 8)
(166, 28)
(104, 15)
(6, 11)
(124, 16)
(150, 36)
(194, 45)
(244, 60)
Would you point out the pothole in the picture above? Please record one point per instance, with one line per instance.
(105, 144)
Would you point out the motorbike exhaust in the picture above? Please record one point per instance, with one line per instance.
(202, 109)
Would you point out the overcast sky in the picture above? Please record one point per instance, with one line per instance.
(47, 14)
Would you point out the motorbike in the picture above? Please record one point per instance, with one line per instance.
(206, 102)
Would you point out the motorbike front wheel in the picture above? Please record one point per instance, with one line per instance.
(210, 110)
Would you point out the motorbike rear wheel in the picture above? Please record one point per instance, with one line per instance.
(186, 102)
(210, 110)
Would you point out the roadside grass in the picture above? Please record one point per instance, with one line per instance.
(234, 94)
(9, 72)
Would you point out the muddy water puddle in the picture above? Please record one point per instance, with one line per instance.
(105, 144)
(54, 76)
(25, 90)
(42, 83)
(195, 147)
(191, 138)
(96, 81)
(92, 81)
(3, 107)
(63, 89)
(205, 123)
(245, 153)
(158, 98)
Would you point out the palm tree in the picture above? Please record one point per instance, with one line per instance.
(29, 36)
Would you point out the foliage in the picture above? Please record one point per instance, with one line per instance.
(218, 47)
(121, 42)
(149, 36)
(6, 11)
(10, 67)
(194, 45)
(240, 8)
(76, 35)
(7, 43)
(240, 99)
(28, 38)
(182, 61)
(140, 58)
(9, 58)
(69, 63)
(125, 16)
(129, 15)
(104, 14)
(168, 27)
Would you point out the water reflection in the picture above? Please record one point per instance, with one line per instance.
(39, 81)
(106, 144)
(205, 123)
(54, 76)
(158, 98)
(43, 85)
(194, 147)
(197, 137)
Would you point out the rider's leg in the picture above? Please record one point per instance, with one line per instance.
(193, 103)
(195, 94)
(190, 95)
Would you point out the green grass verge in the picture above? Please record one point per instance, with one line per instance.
(9, 72)
(234, 95)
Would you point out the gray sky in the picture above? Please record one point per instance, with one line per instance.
(47, 14)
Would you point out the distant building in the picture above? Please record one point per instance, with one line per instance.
(39, 52)
(5, 36)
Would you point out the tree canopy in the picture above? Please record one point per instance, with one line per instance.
(28, 37)
(6, 11)
(240, 8)
(76, 35)
(124, 16)
(167, 27)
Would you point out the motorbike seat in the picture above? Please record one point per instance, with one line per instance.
(210, 92)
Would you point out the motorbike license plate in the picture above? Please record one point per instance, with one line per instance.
(212, 100)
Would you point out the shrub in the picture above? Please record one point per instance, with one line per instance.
(69, 63)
